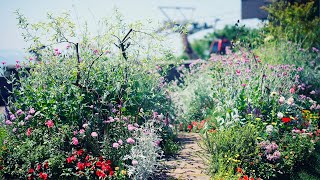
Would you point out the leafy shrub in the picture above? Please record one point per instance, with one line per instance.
(76, 113)
(294, 22)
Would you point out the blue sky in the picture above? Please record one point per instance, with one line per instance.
(206, 11)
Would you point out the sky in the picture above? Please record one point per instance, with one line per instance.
(11, 42)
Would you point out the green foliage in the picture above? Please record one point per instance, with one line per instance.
(294, 22)
(229, 148)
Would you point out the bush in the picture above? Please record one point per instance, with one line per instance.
(77, 112)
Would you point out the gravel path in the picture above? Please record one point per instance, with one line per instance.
(187, 164)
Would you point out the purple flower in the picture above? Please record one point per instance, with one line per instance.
(270, 157)
(8, 122)
(130, 141)
(274, 146)
(276, 155)
(28, 117)
(12, 117)
(300, 69)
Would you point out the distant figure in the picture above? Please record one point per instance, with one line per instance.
(219, 47)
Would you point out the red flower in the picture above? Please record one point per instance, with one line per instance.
(111, 173)
(43, 176)
(81, 166)
(108, 161)
(39, 167)
(87, 158)
(251, 178)
(190, 127)
(100, 173)
(31, 171)
(239, 170)
(245, 177)
(80, 152)
(286, 119)
(88, 164)
(49, 123)
(46, 165)
(70, 159)
(99, 164)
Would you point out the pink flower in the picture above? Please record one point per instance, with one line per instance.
(312, 92)
(120, 142)
(81, 131)
(94, 134)
(28, 117)
(19, 112)
(29, 130)
(30, 59)
(56, 49)
(115, 145)
(130, 141)
(131, 127)
(3, 62)
(238, 72)
(8, 122)
(18, 66)
(32, 111)
(68, 46)
(75, 132)
(292, 90)
(244, 85)
(85, 125)
(134, 162)
(17, 61)
(157, 143)
(57, 53)
(49, 123)
(75, 141)
(12, 117)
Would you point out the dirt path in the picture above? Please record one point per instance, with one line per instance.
(187, 164)
(1, 109)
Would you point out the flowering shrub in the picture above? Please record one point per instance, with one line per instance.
(77, 112)
(270, 100)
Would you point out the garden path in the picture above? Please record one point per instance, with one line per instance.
(1, 109)
(188, 164)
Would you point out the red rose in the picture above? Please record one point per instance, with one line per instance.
(286, 119)
(100, 173)
(31, 171)
(70, 159)
(81, 166)
(43, 176)
(80, 152)
(99, 164)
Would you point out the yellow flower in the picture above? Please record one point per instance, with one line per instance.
(124, 172)
(116, 168)
(258, 119)
(274, 123)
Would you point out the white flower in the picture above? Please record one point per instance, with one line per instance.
(273, 94)
(290, 101)
(269, 129)
(280, 115)
(281, 100)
